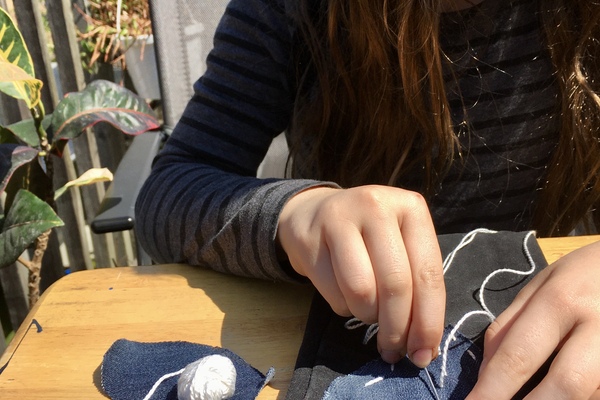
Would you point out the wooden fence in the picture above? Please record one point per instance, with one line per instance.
(72, 247)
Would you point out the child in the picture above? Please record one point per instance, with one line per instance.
(405, 119)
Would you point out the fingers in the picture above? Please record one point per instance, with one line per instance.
(377, 258)
(575, 372)
(324, 280)
(557, 312)
(512, 355)
(573, 375)
(405, 265)
(352, 270)
(429, 293)
(596, 395)
(394, 290)
(503, 324)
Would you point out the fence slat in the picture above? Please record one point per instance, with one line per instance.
(52, 266)
(66, 50)
(85, 148)
(14, 294)
(9, 110)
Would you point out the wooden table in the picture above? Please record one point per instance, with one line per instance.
(82, 314)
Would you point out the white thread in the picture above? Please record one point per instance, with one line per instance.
(374, 381)
(371, 331)
(161, 380)
(437, 397)
(452, 336)
(526, 249)
(355, 323)
(209, 378)
(469, 352)
(486, 311)
(508, 270)
(468, 238)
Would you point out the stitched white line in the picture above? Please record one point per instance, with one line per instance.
(374, 381)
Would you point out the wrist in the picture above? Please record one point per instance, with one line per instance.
(297, 210)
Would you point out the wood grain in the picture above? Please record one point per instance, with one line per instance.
(85, 312)
(554, 248)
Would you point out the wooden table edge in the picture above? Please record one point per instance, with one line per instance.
(553, 249)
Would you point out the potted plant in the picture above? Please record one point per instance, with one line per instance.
(29, 148)
(120, 32)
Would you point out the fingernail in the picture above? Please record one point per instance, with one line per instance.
(390, 357)
(422, 358)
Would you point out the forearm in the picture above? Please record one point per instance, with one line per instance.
(199, 215)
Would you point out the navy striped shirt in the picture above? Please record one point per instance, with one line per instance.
(203, 205)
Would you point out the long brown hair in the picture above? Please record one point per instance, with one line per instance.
(379, 111)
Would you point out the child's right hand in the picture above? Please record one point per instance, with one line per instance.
(372, 252)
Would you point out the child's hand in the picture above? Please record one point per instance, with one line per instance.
(372, 252)
(559, 310)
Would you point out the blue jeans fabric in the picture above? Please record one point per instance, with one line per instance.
(329, 350)
(405, 381)
(130, 369)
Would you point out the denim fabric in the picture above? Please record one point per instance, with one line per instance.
(130, 369)
(405, 381)
(329, 350)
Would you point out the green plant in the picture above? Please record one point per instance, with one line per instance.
(110, 21)
(29, 148)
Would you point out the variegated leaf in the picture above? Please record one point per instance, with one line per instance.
(102, 101)
(27, 219)
(13, 156)
(17, 75)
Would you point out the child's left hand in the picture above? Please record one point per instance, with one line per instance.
(559, 310)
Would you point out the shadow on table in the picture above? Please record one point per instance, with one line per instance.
(263, 321)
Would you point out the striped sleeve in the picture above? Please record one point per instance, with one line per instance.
(202, 203)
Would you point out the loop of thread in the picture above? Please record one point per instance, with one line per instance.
(486, 311)
(355, 323)
(510, 271)
(468, 238)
